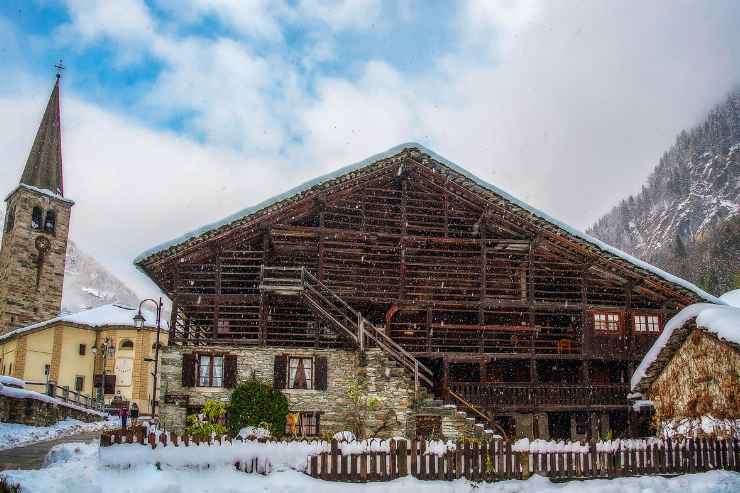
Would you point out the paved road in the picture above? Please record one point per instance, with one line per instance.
(32, 456)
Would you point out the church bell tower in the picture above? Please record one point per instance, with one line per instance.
(34, 244)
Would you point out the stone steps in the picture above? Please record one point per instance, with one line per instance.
(456, 423)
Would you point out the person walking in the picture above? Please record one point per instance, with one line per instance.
(123, 412)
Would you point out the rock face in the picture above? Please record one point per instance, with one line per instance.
(690, 205)
(88, 284)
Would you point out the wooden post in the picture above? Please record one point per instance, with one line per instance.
(402, 463)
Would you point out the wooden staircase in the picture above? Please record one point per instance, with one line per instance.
(299, 281)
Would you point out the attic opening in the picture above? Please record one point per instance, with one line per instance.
(50, 222)
(36, 217)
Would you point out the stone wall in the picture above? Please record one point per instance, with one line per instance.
(702, 378)
(39, 413)
(391, 384)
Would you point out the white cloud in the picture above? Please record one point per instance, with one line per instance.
(567, 105)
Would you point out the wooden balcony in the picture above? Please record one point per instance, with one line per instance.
(503, 397)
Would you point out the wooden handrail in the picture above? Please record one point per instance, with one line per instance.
(477, 411)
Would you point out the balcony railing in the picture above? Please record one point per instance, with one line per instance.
(502, 396)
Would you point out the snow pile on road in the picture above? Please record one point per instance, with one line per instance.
(78, 471)
(16, 435)
(267, 456)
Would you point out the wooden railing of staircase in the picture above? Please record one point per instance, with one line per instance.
(291, 280)
(471, 407)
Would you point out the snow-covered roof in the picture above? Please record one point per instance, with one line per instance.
(101, 316)
(321, 180)
(720, 320)
(732, 297)
(42, 191)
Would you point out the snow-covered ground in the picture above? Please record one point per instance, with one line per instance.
(75, 467)
(16, 435)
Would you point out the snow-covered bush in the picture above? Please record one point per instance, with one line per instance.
(344, 436)
(254, 433)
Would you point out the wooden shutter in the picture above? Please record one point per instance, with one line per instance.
(188, 370)
(318, 424)
(321, 373)
(230, 371)
(281, 367)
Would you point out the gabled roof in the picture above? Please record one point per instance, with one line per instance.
(44, 165)
(487, 190)
(722, 321)
(112, 315)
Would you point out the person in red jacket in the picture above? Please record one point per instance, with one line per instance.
(123, 412)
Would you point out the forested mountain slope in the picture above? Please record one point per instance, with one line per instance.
(686, 219)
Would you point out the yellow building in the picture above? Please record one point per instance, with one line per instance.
(69, 350)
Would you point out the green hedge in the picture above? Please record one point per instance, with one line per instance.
(254, 403)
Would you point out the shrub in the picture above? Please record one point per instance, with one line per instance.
(254, 403)
(210, 424)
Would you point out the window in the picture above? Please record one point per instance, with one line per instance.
(647, 323)
(306, 425)
(606, 322)
(47, 369)
(79, 383)
(210, 370)
(300, 373)
(51, 221)
(127, 344)
(83, 349)
(36, 216)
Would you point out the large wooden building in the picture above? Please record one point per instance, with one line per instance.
(491, 304)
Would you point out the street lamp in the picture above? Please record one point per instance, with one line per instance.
(139, 324)
(108, 350)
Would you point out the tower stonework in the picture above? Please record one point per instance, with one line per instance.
(34, 240)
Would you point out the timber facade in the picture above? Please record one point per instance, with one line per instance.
(488, 304)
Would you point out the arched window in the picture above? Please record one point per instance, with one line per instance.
(126, 344)
(36, 218)
(10, 219)
(51, 221)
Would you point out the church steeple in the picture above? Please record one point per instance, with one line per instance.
(44, 165)
(34, 239)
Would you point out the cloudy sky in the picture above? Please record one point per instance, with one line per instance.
(179, 112)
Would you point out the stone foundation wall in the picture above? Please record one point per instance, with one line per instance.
(391, 384)
(39, 413)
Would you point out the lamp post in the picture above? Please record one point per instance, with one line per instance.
(106, 347)
(139, 324)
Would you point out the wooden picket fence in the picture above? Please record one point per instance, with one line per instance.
(491, 460)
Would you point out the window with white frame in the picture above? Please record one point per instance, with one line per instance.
(606, 322)
(300, 373)
(210, 370)
(647, 323)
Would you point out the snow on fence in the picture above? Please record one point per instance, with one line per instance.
(384, 460)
